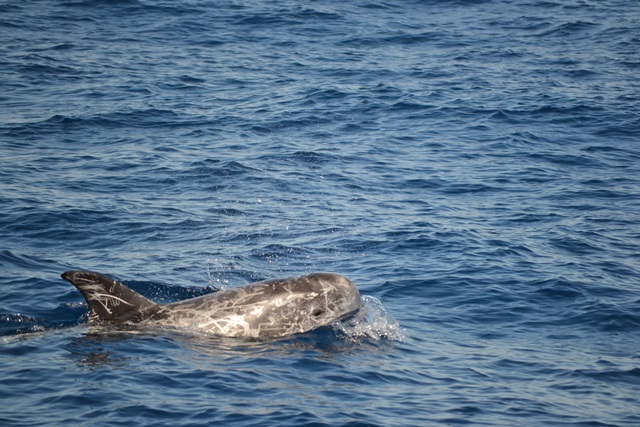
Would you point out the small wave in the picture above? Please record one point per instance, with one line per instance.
(567, 29)
(373, 322)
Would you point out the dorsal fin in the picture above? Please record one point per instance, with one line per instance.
(110, 300)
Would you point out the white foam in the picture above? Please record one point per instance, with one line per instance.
(373, 321)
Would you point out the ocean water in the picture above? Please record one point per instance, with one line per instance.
(473, 166)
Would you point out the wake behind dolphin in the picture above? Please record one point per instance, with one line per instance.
(269, 309)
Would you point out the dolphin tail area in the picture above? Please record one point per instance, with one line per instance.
(109, 300)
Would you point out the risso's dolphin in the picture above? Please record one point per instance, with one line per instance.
(269, 309)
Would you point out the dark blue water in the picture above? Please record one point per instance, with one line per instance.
(472, 165)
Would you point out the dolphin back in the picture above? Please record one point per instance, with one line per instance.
(109, 300)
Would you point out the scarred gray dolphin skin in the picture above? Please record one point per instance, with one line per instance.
(263, 310)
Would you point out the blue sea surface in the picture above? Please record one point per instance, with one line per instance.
(473, 166)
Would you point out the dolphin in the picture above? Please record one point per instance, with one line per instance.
(262, 310)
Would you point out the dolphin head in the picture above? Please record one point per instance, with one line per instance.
(331, 297)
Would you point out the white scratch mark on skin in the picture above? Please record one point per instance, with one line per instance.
(105, 299)
(94, 293)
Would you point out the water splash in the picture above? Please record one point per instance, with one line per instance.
(373, 322)
(216, 282)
